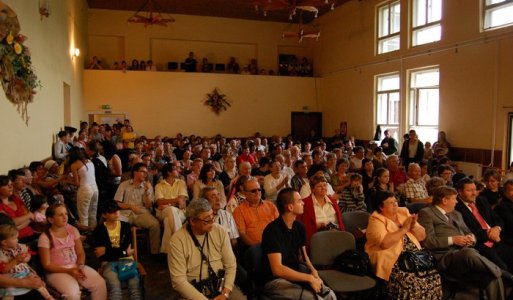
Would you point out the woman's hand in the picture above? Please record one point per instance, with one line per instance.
(316, 283)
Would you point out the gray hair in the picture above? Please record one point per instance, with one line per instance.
(197, 207)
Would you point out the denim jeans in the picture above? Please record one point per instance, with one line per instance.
(114, 285)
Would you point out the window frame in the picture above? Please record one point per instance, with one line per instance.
(427, 24)
(413, 100)
(390, 36)
(393, 127)
(488, 8)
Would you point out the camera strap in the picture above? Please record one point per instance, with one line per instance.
(200, 248)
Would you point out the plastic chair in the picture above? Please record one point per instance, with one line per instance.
(253, 259)
(355, 220)
(324, 247)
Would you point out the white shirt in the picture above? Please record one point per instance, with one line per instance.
(324, 214)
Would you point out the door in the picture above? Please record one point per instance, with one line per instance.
(306, 126)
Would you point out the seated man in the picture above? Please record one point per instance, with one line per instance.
(450, 241)
(484, 224)
(286, 264)
(505, 212)
(135, 197)
(170, 194)
(198, 246)
(252, 215)
(415, 188)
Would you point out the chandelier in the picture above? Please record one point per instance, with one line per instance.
(292, 6)
(150, 14)
(302, 31)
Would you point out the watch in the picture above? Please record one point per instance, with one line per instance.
(226, 295)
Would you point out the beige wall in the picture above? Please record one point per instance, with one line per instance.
(476, 71)
(112, 38)
(49, 41)
(166, 103)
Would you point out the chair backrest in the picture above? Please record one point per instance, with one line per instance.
(253, 260)
(326, 245)
(355, 220)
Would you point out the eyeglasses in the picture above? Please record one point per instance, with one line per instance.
(207, 221)
(254, 191)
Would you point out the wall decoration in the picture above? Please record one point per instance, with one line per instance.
(17, 76)
(44, 9)
(217, 101)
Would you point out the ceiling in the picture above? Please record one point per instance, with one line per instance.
(238, 9)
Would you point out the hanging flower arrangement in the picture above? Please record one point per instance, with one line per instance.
(217, 101)
(17, 76)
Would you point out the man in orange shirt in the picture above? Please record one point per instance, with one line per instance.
(253, 215)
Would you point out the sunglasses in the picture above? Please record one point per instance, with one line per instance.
(254, 191)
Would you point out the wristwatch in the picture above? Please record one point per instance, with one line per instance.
(226, 295)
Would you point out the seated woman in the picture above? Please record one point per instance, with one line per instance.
(207, 177)
(320, 211)
(275, 181)
(63, 258)
(229, 172)
(391, 231)
(16, 210)
(238, 195)
(112, 242)
(340, 179)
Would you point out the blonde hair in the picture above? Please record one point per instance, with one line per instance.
(7, 231)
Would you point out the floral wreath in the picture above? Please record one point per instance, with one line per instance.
(16, 74)
(217, 101)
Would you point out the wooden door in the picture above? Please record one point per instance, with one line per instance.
(306, 126)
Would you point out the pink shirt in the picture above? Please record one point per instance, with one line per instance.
(63, 252)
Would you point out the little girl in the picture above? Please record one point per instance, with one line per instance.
(38, 205)
(13, 261)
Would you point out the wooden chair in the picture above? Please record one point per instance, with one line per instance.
(141, 234)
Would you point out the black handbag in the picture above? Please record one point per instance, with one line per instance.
(353, 262)
(416, 261)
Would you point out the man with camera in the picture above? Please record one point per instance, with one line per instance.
(200, 257)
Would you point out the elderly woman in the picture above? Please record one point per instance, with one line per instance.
(340, 179)
(391, 231)
(207, 177)
(320, 211)
(275, 181)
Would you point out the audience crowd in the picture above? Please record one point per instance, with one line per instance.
(190, 64)
(206, 202)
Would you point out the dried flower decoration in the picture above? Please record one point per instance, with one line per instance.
(217, 101)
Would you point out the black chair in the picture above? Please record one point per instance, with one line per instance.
(356, 223)
(253, 260)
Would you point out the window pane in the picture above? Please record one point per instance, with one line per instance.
(428, 107)
(395, 18)
(419, 14)
(412, 109)
(387, 83)
(383, 21)
(488, 2)
(501, 16)
(388, 45)
(425, 78)
(427, 133)
(427, 35)
(381, 113)
(394, 106)
(434, 11)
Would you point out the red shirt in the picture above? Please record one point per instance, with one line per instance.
(19, 212)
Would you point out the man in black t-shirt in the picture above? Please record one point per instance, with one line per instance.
(287, 269)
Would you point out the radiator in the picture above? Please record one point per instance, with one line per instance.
(469, 168)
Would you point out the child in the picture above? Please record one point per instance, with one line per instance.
(112, 240)
(13, 261)
(352, 197)
(38, 205)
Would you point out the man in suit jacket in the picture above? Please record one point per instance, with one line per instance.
(505, 211)
(450, 241)
(484, 224)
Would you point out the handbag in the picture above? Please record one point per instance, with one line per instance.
(354, 262)
(125, 268)
(416, 261)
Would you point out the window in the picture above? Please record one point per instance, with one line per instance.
(389, 26)
(388, 103)
(424, 102)
(426, 16)
(497, 13)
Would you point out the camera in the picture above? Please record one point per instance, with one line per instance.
(212, 286)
